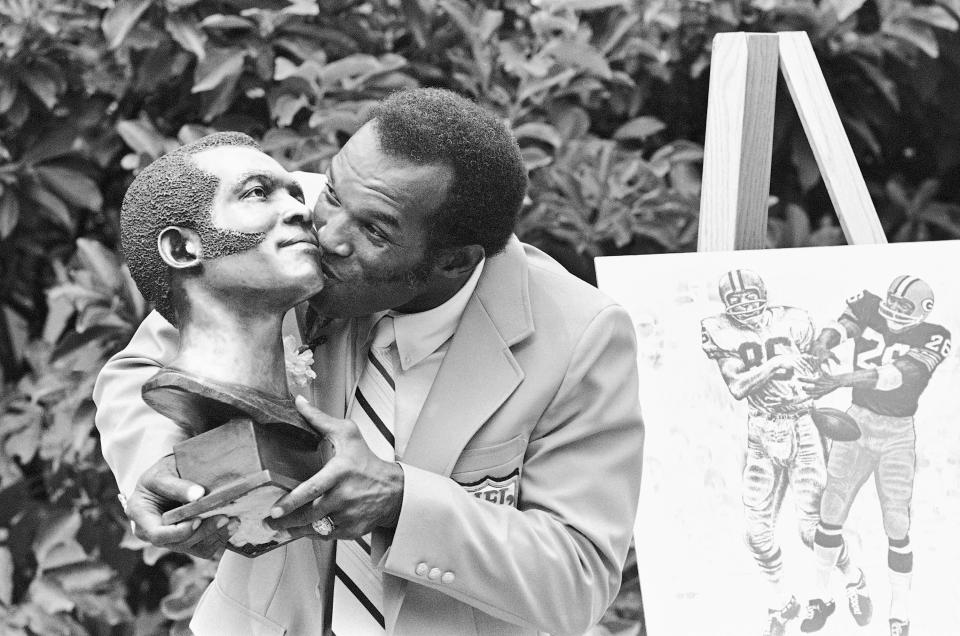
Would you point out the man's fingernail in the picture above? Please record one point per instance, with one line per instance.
(194, 492)
(234, 526)
(223, 521)
(276, 512)
(196, 524)
(300, 400)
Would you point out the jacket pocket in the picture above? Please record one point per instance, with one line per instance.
(497, 460)
(218, 614)
(492, 473)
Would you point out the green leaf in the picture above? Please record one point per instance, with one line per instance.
(283, 68)
(20, 431)
(9, 213)
(301, 8)
(42, 85)
(489, 22)
(886, 86)
(532, 88)
(187, 34)
(220, 66)
(845, 8)
(347, 67)
(572, 122)
(72, 186)
(6, 574)
(582, 5)
(534, 158)
(53, 207)
(49, 597)
(934, 16)
(102, 263)
(942, 216)
(798, 225)
(287, 107)
(579, 55)
(119, 20)
(953, 5)
(862, 130)
(218, 21)
(60, 529)
(808, 172)
(57, 142)
(8, 92)
(81, 575)
(622, 27)
(539, 131)
(918, 34)
(639, 128)
(141, 137)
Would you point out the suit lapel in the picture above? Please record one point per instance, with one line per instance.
(477, 375)
(479, 371)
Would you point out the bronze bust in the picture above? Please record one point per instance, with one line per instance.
(217, 236)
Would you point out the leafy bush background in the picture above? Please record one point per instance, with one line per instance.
(607, 98)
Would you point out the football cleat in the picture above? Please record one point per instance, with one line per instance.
(909, 301)
(744, 295)
(818, 611)
(777, 619)
(858, 601)
(899, 627)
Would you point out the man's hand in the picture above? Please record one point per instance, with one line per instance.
(823, 354)
(821, 385)
(159, 489)
(356, 489)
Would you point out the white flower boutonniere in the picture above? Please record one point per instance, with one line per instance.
(298, 363)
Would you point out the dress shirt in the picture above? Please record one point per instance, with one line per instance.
(422, 341)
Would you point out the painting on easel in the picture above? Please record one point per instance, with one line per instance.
(802, 464)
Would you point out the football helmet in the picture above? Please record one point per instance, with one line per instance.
(909, 301)
(744, 295)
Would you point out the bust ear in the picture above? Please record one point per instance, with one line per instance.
(179, 247)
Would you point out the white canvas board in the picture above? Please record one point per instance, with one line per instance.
(697, 574)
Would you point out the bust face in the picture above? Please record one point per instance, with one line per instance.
(256, 195)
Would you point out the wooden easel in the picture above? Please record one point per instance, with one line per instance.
(739, 141)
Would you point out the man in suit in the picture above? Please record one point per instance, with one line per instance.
(506, 503)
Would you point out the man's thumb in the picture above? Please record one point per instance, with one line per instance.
(316, 418)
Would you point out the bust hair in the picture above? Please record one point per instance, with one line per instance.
(173, 190)
(433, 126)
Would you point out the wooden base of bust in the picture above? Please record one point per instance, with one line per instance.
(252, 451)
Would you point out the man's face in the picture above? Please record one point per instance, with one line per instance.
(902, 306)
(256, 195)
(374, 219)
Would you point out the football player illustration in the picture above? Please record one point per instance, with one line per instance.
(762, 352)
(895, 353)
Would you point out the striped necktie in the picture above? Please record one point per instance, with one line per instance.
(358, 587)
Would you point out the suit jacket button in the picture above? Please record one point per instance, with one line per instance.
(447, 578)
(434, 574)
(421, 569)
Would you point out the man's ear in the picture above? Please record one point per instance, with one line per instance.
(458, 261)
(179, 247)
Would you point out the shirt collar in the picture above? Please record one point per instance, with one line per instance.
(422, 333)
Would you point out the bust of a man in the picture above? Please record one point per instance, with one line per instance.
(218, 237)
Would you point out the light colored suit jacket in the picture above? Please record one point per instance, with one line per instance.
(521, 475)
